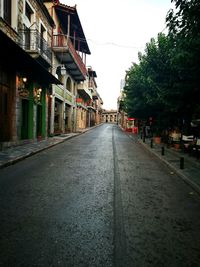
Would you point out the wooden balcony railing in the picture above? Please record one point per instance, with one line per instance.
(91, 84)
(61, 41)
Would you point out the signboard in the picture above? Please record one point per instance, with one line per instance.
(24, 93)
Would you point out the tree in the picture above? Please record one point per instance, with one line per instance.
(166, 82)
(184, 29)
(149, 83)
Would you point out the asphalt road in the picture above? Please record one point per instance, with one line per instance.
(98, 199)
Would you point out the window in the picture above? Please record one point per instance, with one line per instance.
(27, 38)
(7, 11)
(28, 11)
(69, 85)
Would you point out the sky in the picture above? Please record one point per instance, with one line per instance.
(116, 31)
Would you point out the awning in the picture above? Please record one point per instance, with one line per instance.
(14, 58)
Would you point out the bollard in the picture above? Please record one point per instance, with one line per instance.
(168, 144)
(163, 151)
(143, 138)
(151, 142)
(181, 163)
(141, 135)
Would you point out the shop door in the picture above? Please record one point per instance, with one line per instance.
(67, 122)
(25, 116)
(27, 38)
(58, 117)
(39, 120)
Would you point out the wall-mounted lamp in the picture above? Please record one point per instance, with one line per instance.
(63, 70)
(24, 79)
(52, 95)
(22, 87)
(22, 83)
(37, 95)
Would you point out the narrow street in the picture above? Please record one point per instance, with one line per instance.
(98, 199)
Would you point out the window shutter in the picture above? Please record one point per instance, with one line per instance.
(7, 11)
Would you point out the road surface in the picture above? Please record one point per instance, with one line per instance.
(98, 199)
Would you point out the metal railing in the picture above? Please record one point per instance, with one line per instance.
(32, 41)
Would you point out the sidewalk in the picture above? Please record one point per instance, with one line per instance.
(172, 158)
(14, 154)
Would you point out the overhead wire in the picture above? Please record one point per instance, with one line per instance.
(84, 40)
(111, 43)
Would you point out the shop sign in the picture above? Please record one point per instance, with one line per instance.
(68, 97)
(59, 91)
(24, 93)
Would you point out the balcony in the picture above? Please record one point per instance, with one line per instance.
(67, 55)
(92, 85)
(33, 43)
(84, 91)
(95, 95)
(80, 103)
(91, 105)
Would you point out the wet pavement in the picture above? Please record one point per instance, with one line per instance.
(103, 198)
(14, 154)
(190, 172)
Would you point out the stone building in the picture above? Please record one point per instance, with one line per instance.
(109, 116)
(70, 48)
(95, 104)
(25, 59)
(47, 89)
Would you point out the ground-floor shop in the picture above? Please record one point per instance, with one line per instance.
(24, 95)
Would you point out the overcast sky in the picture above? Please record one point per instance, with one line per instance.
(116, 31)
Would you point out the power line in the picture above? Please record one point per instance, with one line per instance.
(115, 44)
(83, 40)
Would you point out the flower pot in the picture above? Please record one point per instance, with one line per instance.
(177, 146)
(157, 139)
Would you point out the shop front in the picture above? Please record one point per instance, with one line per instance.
(23, 94)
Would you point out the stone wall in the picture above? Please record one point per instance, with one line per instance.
(6, 28)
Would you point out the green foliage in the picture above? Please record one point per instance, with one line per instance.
(166, 82)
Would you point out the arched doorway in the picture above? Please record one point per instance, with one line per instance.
(69, 84)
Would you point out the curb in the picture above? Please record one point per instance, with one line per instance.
(31, 153)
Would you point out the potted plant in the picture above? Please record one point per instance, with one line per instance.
(157, 135)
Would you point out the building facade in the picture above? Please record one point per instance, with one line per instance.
(122, 115)
(48, 90)
(25, 59)
(95, 104)
(70, 49)
(109, 116)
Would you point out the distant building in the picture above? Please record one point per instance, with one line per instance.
(109, 116)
